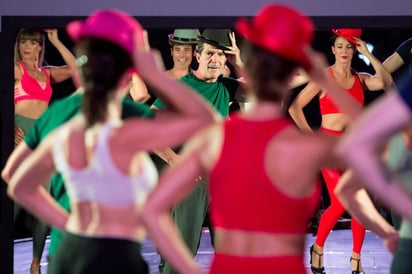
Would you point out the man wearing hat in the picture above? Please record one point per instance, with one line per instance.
(214, 48)
(182, 46)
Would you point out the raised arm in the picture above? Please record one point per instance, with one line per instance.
(61, 73)
(401, 56)
(393, 62)
(382, 77)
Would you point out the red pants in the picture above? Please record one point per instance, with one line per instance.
(331, 215)
(335, 210)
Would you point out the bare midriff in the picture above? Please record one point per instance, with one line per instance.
(335, 121)
(30, 108)
(258, 244)
(96, 220)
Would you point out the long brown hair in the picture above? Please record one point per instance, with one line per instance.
(33, 35)
(103, 64)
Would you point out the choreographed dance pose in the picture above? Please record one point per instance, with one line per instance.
(334, 121)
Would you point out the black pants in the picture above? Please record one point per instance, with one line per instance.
(401, 263)
(78, 254)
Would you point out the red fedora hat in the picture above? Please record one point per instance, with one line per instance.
(348, 34)
(279, 29)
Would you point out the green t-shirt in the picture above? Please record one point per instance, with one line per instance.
(58, 113)
(219, 93)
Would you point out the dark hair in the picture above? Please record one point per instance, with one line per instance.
(36, 35)
(267, 71)
(200, 46)
(102, 64)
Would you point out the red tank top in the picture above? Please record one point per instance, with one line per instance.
(242, 195)
(327, 106)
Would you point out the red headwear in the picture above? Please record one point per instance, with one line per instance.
(281, 30)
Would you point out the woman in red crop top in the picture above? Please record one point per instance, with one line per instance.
(251, 160)
(32, 92)
(334, 121)
(32, 81)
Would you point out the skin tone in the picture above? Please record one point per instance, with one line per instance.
(30, 54)
(200, 156)
(138, 89)
(343, 51)
(182, 55)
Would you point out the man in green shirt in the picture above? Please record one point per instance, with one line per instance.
(215, 47)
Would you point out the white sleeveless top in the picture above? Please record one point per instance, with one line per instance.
(101, 181)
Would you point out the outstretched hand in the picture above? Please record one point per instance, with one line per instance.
(233, 55)
(52, 35)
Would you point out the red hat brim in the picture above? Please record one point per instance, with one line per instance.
(346, 36)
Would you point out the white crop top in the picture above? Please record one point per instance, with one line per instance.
(101, 181)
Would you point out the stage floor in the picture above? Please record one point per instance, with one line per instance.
(375, 258)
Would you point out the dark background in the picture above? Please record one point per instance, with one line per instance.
(385, 33)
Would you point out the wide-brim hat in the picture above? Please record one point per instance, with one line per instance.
(279, 29)
(348, 34)
(112, 25)
(184, 36)
(218, 38)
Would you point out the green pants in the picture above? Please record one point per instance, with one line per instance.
(188, 217)
(40, 229)
(24, 122)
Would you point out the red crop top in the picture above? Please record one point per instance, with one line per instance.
(28, 88)
(327, 106)
(242, 195)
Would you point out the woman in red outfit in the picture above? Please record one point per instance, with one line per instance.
(251, 161)
(334, 121)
